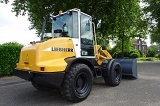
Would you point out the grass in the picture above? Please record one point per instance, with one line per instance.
(148, 59)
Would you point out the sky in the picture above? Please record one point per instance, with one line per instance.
(16, 29)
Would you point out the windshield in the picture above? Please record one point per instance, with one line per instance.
(62, 26)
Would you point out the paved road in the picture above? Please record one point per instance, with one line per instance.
(145, 91)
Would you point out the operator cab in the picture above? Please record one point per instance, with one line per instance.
(77, 26)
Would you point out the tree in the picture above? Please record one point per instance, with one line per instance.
(152, 11)
(121, 19)
(129, 21)
(4, 1)
(127, 46)
(36, 9)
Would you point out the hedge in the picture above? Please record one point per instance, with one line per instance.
(128, 54)
(9, 56)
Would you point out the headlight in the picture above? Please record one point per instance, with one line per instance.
(84, 53)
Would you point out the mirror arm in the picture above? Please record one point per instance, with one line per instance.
(43, 28)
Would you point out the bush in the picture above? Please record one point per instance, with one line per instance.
(134, 54)
(119, 54)
(128, 54)
(151, 52)
(110, 52)
(9, 56)
(140, 52)
(158, 55)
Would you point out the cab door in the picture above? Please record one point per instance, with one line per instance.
(86, 36)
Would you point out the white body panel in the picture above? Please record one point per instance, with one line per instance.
(77, 49)
(76, 41)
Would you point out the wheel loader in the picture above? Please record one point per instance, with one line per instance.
(70, 58)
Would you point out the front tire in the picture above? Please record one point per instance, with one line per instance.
(77, 83)
(115, 75)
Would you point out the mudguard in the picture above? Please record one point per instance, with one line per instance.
(129, 67)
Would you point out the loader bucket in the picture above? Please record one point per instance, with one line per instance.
(129, 67)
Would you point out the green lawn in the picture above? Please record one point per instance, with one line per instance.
(148, 59)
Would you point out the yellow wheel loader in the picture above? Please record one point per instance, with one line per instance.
(70, 58)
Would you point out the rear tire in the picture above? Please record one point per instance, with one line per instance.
(40, 87)
(77, 83)
(115, 75)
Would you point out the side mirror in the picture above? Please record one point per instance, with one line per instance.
(99, 24)
(43, 28)
(54, 18)
(87, 27)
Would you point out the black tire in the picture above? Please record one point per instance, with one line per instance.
(115, 75)
(77, 83)
(40, 87)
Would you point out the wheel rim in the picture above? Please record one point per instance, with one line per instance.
(81, 83)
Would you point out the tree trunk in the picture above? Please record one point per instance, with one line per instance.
(123, 42)
(122, 47)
